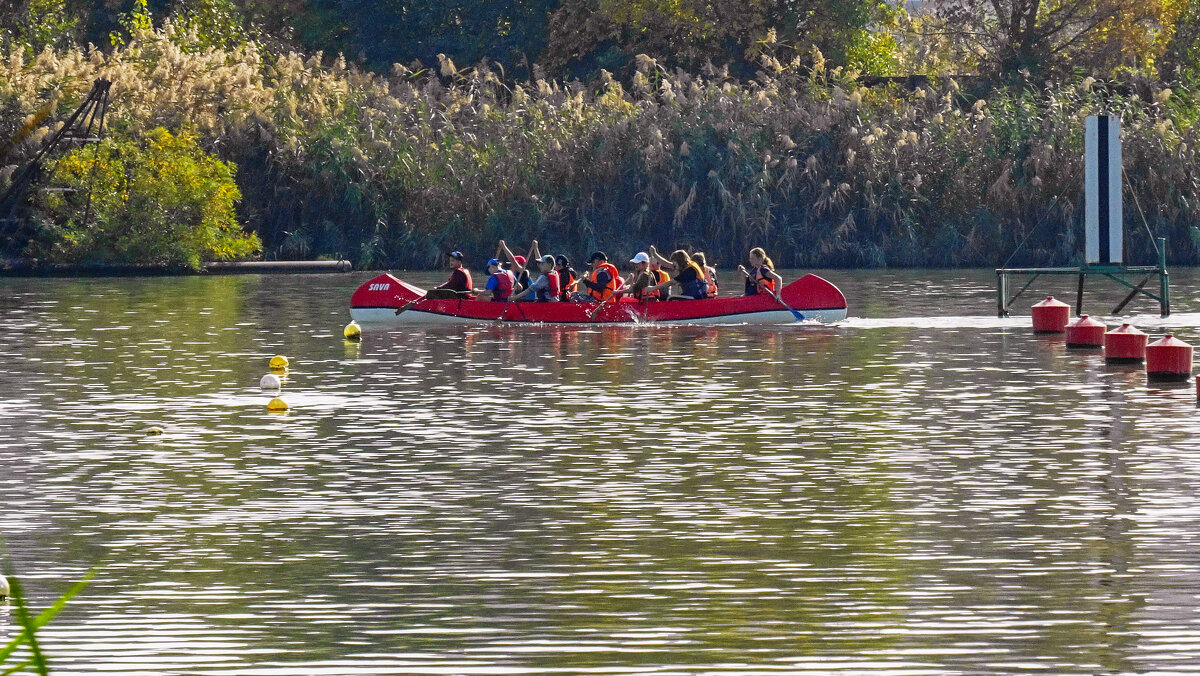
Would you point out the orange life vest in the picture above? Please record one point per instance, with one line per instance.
(613, 280)
(656, 277)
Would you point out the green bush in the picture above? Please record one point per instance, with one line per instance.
(162, 201)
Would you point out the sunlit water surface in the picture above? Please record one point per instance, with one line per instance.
(922, 488)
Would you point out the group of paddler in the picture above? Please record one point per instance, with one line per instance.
(510, 278)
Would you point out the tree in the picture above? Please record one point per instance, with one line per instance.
(1042, 39)
(163, 201)
(587, 35)
(385, 32)
(37, 24)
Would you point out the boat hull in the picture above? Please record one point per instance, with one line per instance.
(376, 301)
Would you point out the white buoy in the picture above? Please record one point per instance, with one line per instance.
(4, 590)
(270, 382)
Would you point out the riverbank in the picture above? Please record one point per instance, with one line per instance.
(394, 170)
(210, 268)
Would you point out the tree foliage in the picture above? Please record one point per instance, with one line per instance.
(586, 36)
(162, 201)
(1041, 40)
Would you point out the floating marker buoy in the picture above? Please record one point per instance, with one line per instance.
(1124, 344)
(153, 431)
(1051, 316)
(352, 331)
(277, 404)
(1085, 332)
(4, 590)
(270, 382)
(1169, 359)
(279, 362)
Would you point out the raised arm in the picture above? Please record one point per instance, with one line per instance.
(517, 267)
(664, 262)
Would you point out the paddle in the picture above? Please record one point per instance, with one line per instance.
(408, 305)
(596, 311)
(799, 317)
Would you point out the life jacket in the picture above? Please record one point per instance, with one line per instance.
(504, 285)
(711, 277)
(752, 282)
(566, 278)
(614, 278)
(551, 292)
(699, 287)
(656, 277)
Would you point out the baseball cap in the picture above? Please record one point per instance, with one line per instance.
(519, 259)
(456, 254)
(563, 261)
(597, 255)
(640, 257)
(493, 261)
(547, 259)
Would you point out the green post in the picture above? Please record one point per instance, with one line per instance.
(1164, 278)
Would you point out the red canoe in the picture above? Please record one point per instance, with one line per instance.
(375, 303)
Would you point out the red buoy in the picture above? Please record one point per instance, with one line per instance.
(1085, 332)
(1169, 359)
(1051, 316)
(1125, 344)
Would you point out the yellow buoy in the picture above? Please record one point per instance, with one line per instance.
(279, 362)
(352, 331)
(277, 404)
(151, 431)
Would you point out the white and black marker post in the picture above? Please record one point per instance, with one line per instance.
(1102, 186)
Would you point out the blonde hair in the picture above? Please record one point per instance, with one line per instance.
(700, 259)
(758, 251)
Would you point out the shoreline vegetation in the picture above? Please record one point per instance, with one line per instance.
(235, 152)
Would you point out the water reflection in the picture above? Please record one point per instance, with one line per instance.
(922, 488)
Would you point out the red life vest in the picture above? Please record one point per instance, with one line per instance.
(553, 292)
(504, 285)
(613, 279)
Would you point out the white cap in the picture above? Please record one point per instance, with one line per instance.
(641, 257)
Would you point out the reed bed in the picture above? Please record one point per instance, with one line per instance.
(393, 170)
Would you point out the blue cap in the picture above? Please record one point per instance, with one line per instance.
(493, 261)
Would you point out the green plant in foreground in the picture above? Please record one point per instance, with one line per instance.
(30, 626)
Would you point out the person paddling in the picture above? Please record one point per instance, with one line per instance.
(567, 277)
(545, 288)
(710, 275)
(500, 281)
(688, 276)
(602, 283)
(459, 284)
(642, 277)
(518, 264)
(761, 276)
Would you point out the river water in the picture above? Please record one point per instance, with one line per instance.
(923, 488)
